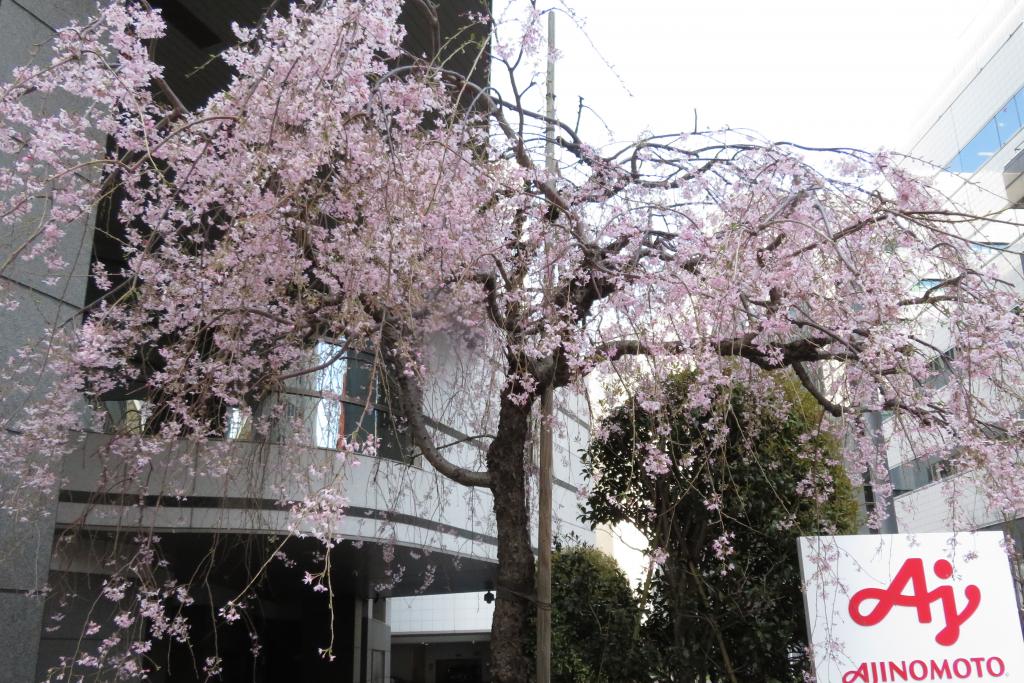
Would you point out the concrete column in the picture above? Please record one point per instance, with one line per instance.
(375, 644)
(25, 543)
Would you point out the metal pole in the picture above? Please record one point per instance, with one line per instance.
(544, 540)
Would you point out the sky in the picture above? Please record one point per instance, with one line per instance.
(817, 72)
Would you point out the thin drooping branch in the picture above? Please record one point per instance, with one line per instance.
(409, 396)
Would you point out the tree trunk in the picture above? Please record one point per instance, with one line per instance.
(506, 461)
(723, 651)
(677, 584)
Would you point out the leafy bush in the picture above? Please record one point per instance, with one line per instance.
(722, 518)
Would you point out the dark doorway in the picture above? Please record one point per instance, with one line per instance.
(458, 671)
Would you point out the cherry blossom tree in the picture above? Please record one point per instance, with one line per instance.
(340, 190)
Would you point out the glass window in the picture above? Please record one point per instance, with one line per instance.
(912, 475)
(1018, 101)
(957, 165)
(988, 247)
(331, 378)
(981, 148)
(926, 283)
(331, 381)
(996, 133)
(395, 443)
(328, 423)
(239, 426)
(335, 419)
(132, 416)
(359, 421)
(348, 388)
(939, 469)
(357, 379)
(1007, 122)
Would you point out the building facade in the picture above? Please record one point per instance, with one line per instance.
(975, 134)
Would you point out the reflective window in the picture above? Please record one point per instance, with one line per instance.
(358, 378)
(956, 166)
(239, 426)
(332, 377)
(988, 247)
(328, 423)
(359, 422)
(914, 474)
(330, 381)
(395, 443)
(981, 148)
(1007, 122)
(348, 407)
(997, 132)
(926, 283)
(1018, 100)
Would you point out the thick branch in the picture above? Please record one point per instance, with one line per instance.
(490, 285)
(799, 350)
(811, 386)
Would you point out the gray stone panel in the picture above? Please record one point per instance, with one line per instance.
(21, 34)
(25, 328)
(25, 545)
(32, 280)
(20, 622)
(64, 626)
(25, 549)
(23, 39)
(52, 13)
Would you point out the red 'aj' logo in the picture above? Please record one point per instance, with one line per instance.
(920, 598)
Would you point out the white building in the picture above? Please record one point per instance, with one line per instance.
(975, 131)
(440, 529)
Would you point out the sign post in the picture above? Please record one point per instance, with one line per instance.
(911, 607)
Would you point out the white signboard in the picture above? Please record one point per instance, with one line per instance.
(918, 607)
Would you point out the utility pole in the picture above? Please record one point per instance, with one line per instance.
(544, 540)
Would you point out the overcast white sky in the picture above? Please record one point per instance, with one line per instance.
(820, 72)
(857, 73)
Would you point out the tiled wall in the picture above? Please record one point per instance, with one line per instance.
(953, 504)
(989, 79)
